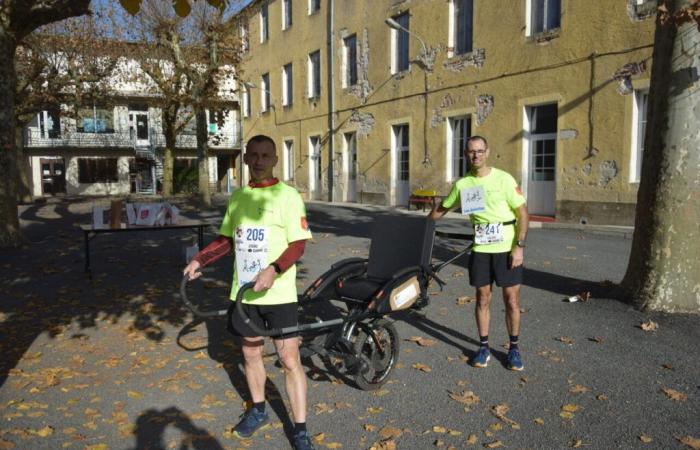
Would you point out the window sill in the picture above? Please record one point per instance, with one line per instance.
(314, 99)
(401, 74)
(545, 36)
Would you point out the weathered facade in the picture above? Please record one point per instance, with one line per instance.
(558, 88)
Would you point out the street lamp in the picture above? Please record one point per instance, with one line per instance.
(397, 26)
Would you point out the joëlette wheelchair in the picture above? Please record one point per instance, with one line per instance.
(357, 339)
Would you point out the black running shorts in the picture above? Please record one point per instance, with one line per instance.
(265, 317)
(485, 268)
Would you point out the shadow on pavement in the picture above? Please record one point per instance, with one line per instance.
(152, 424)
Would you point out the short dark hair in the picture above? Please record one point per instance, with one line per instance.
(477, 138)
(258, 138)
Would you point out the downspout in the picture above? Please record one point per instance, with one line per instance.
(331, 95)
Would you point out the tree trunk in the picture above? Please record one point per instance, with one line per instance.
(22, 183)
(664, 266)
(168, 163)
(10, 235)
(203, 157)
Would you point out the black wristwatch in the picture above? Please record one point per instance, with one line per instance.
(521, 243)
(276, 267)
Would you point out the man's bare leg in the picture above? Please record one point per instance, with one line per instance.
(254, 367)
(295, 378)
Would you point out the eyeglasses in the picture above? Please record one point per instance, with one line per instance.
(479, 151)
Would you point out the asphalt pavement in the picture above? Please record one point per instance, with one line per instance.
(117, 362)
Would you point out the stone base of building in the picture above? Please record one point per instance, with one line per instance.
(596, 213)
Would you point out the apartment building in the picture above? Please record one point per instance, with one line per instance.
(116, 148)
(369, 100)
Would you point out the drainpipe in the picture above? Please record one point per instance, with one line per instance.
(240, 141)
(331, 95)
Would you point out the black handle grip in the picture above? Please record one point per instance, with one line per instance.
(246, 320)
(192, 307)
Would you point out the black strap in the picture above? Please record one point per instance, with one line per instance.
(510, 222)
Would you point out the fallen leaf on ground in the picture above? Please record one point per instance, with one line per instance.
(466, 397)
(472, 439)
(690, 441)
(539, 421)
(384, 445)
(321, 408)
(644, 438)
(675, 395)
(375, 410)
(461, 301)
(423, 342)
(439, 429)
(438, 443)
(500, 411)
(668, 366)
(494, 444)
(565, 339)
(422, 367)
(390, 432)
(577, 443)
(42, 432)
(649, 326)
(578, 389)
(596, 339)
(369, 427)
(601, 397)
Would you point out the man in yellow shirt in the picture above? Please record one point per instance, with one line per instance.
(265, 224)
(497, 209)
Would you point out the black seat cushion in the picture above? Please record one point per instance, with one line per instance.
(358, 288)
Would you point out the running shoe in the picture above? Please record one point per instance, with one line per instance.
(301, 441)
(482, 357)
(251, 421)
(514, 361)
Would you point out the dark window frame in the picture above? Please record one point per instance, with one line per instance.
(545, 16)
(288, 74)
(315, 59)
(351, 69)
(402, 48)
(98, 170)
(287, 17)
(464, 26)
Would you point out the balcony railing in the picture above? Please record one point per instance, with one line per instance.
(35, 139)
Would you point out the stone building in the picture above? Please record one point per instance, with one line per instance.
(559, 88)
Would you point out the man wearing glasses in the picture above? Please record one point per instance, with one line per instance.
(496, 208)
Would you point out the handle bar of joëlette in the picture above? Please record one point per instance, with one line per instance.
(434, 269)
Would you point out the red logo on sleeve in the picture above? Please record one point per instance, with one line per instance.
(518, 190)
(304, 223)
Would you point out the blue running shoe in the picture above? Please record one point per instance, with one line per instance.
(514, 361)
(302, 441)
(251, 421)
(482, 357)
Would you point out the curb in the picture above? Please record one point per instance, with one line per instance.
(625, 232)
